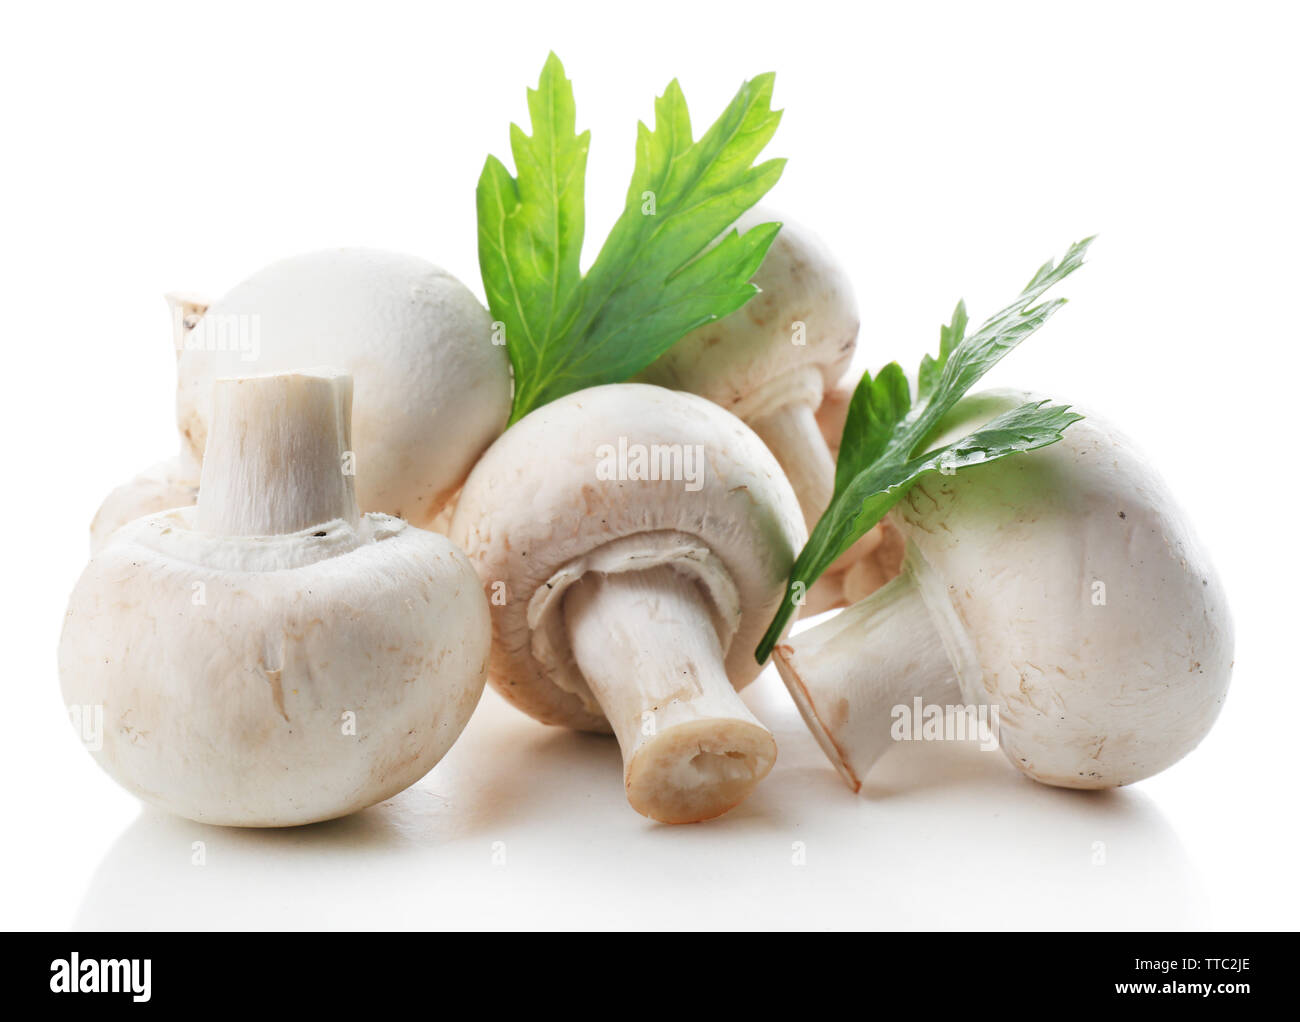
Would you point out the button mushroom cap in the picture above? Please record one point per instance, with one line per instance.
(619, 598)
(771, 361)
(270, 657)
(432, 389)
(1064, 587)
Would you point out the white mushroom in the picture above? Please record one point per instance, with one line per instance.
(771, 361)
(432, 386)
(775, 362)
(634, 543)
(270, 657)
(1062, 587)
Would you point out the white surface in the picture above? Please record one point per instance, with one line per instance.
(943, 151)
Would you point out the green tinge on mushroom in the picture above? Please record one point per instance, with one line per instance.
(1062, 587)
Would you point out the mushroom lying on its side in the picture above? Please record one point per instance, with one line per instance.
(1063, 587)
(634, 543)
(270, 657)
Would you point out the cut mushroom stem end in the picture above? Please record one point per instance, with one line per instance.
(276, 460)
(645, 643)
(849, 674)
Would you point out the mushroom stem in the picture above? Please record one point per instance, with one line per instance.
(278, 454)
(646, 647)
(186, 310)
(792, 434)
(848, 674)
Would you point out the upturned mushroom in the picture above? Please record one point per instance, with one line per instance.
(634, 541)
(1062, 587)
(271, 657)
(432, 382)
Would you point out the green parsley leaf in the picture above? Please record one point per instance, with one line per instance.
(884, 447)
(530, 229)
(659, 274)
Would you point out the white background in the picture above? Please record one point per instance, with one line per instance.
(942, 150)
